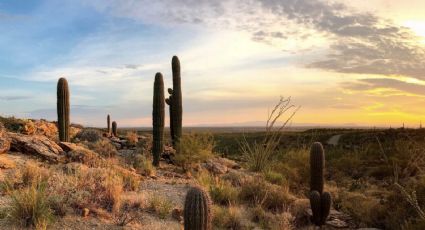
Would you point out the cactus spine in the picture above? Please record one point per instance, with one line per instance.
(114, 129)
(177, 107)
(197, 210)
(63, 109)
(320, 201)
(108, 121)
(158, 114)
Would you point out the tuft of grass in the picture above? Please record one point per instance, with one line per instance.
(274, 177)
(141, 164)
(223, 193)
(30, 207)
(160, 205)
(227, 218)
(132, 138)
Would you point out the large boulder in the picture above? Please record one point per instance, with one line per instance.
(38, 145)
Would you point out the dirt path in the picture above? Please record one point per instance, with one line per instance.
(334, 140)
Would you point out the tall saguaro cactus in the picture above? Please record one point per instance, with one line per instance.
(158, 114)
(197, 210)
(114, 129)
(169, 102)
(108, 121)
(63, 109)
(320, 201)
(177, 106)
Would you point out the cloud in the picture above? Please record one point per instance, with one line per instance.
(385, 83)
(360, 42)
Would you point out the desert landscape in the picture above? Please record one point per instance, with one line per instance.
(212, 114)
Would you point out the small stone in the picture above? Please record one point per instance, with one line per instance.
(177, 214)
(85, 212)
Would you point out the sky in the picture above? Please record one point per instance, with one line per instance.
(343, 62)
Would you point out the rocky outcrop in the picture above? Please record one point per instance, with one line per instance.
(37, 145)
(4, 140)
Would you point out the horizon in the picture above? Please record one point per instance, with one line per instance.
(357, 64)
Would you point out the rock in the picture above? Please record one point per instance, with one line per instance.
(41, 127)
(177, 214)
(68, 146)
(336, 223)
(215, 167)
(37, 145)
(4, 140)
(85, 212)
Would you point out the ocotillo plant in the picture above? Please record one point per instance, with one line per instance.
(63, 109)
(177, 107)
(114, 129)
(197, 210)
(169, 102)
(158, 114)
(108, 121)
(320, 201)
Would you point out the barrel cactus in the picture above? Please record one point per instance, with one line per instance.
(197, 210)
(158, 114)
(63, 109)
(177, 107)
(108, 121)
(320, 201)
(114, 129)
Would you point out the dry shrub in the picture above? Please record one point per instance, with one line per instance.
(161, 205)
(90, 135)
(271, 197)
(33, 174)
(30, 207)
(132, 138)
(194, 148)
(85, 156)
(142, 164)
(227, 218)
(222, 192)
(104, 148)
(125, 215)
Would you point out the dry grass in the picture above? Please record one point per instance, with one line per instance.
(132, 138)
(161, 205)
(104, 148)
(223, 193)
(227, 218)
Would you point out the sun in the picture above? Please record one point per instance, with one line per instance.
(418, 26)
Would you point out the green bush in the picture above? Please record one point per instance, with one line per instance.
(194, 148)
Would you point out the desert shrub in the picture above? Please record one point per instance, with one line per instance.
(227, 218)
(33, 174)
(132, 138)
(58, 205)
(204, 178)
(222, 192)
(12, 124)
(234, 178)
(194, 148)
(274, 177)
(295, 167)
(103, 147)
(90, 135)
(30, 207)
(141, 164)
(131, 182)
(161, 205)
(259, 154)
(85, 156)
(271, 197)
(125, 215)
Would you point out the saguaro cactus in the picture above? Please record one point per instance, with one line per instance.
(108, 121)
(158, 114)
(320, 201)
(169, 102)
(63, 109)
(197, 210)
(114, 129)
(177, 107)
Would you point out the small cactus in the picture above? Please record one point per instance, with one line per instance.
(197, 210)
(63, 109)
(320, 201)
(177, 107)
(108, 121)
(114, 129)
(158, 114)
